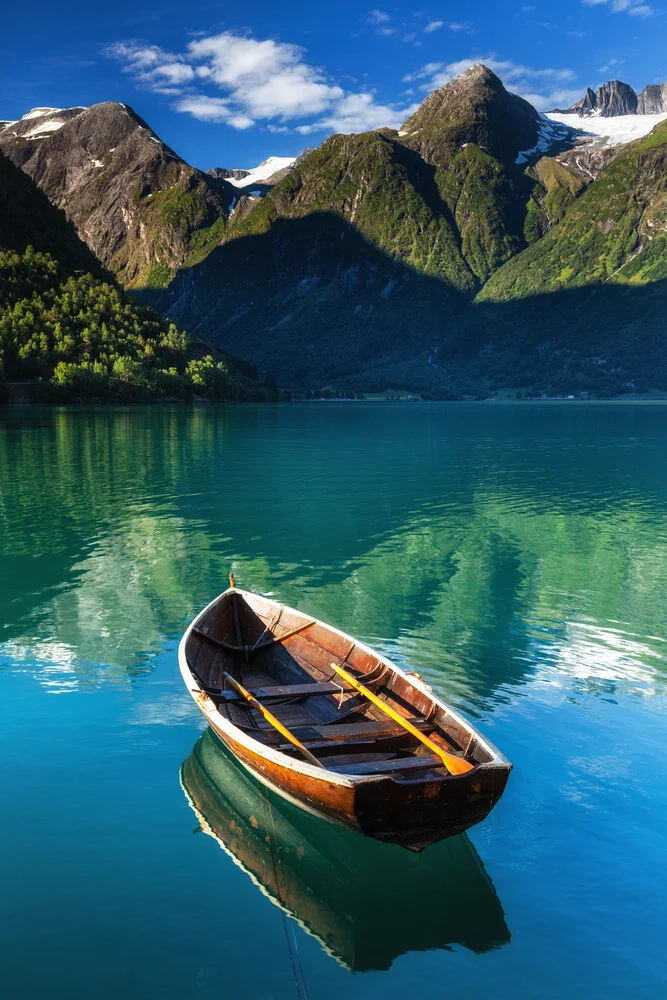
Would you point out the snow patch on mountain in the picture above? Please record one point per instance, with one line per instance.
(45, 128)
(597, 132)
(39, 113)
(262, 173)
(548, 133)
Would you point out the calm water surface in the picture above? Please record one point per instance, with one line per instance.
(514, 555)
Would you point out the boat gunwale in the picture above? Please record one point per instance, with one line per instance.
(218, 722)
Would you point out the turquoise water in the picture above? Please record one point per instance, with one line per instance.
(514, 555)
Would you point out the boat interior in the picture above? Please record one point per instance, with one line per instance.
(286, 661)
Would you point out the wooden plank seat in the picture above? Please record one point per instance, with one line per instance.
(399, 764)
(284, 691)
(369, 731)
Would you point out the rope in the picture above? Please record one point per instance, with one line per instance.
(293, 952)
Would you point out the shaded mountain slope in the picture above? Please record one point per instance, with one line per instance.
(312, 300)
(140, 208)
(27, 218)
(603, 338)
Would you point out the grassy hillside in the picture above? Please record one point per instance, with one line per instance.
(614, 232)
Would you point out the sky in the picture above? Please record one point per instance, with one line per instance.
(229, 84)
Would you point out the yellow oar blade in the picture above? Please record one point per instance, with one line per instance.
(271, 719)
(455, 765)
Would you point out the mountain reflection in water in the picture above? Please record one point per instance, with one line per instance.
(365, 902)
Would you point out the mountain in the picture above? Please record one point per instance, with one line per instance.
(616, 231)
(67, 327)
(141, 209)
(615, 98)
(584, 306)
(653, 99)
(612, 98)
(372, 243)
(475, 108)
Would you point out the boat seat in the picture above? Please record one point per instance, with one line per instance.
(399, 764)
(323, 735)
(285, 691)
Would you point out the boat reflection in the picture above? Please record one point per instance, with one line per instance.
(365, 902)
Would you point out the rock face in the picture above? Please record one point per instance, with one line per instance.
(140, 208)
(653, 99)
(615, 98)
(223, 174)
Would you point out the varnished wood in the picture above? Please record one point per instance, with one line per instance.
(271, 719)
(341, 758)
(390, 766)
(286, 691)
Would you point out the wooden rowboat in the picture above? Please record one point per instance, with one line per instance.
(332, 882)
(334, 726)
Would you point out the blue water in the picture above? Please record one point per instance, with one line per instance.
(514, 555)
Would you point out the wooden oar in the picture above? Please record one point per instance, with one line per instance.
(271, 719)
(455, 765)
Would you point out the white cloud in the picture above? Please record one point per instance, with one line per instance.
(213, 109)
(378, 17)
(459, 26)
(539, 86)
(269, 79)
(608, 65)
(433, 26)
(360, 113)
(241, 81)
(632, 7)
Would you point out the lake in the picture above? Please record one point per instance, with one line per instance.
(515, 555)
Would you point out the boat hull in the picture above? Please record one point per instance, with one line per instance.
(413, 814)
(411, 810)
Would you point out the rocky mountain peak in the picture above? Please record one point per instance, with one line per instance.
(616, 98)
(138, 206)
(475, 108)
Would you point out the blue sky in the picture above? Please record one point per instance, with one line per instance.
(228, 84)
